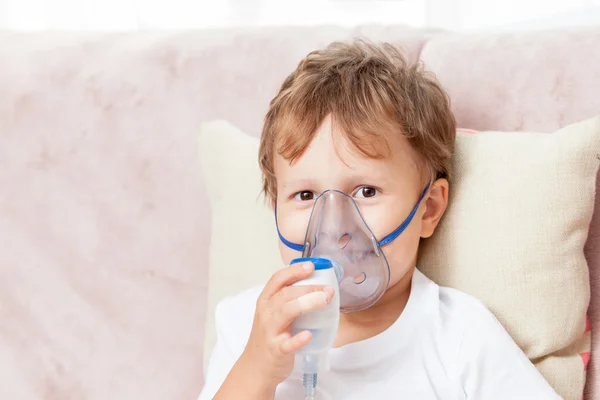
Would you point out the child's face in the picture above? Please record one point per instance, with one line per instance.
(385, 190)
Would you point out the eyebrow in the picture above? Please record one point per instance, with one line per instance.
(354, 179)
(362, 178)
(298, 182)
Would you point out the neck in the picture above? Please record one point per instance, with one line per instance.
(362, 325)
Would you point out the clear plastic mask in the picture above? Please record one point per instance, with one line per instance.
(338, 232)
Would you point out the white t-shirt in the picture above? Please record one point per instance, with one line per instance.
(445, 345)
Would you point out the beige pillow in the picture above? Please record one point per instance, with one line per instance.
(513, 235)
(244, 249)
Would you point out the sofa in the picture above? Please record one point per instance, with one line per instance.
(104, 218)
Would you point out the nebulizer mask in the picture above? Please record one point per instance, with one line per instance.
(347, 257)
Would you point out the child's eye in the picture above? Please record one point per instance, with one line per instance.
(366, 192)
(304, 195)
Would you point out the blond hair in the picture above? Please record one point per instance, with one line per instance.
(371, 91)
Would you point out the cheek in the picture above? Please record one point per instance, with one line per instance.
(383, 219)
(287, 254)
(401, 254)
(292, 226)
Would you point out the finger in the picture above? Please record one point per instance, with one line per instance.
(304, 304)
(285, 277)
(295, 343)
(289, 293)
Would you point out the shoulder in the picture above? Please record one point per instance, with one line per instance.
(462, 308)
(470, 320)
(477, 330)
(234, 316)
(245, 300)
(462, 322)
(479, 353)
(452, 310)
(487, 361)
(451, 315)
(233, 323)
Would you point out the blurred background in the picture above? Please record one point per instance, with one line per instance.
(119, 15)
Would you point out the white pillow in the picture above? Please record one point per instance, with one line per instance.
(513, 235)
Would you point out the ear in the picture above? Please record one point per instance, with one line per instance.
(436, 203)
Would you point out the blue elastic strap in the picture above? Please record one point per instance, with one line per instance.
(388, 239)
(293, 246)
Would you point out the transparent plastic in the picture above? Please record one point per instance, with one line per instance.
(323, 325)
(337, 231)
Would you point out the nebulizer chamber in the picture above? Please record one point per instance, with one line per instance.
(323, 325)
(347, 258)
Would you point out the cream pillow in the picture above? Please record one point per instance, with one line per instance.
(513, 235)
(244, 246)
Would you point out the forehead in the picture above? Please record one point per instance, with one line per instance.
(331, 153)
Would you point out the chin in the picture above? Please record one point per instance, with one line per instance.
(401, 274)
(287, 255)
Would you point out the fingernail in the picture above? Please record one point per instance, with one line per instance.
(329, 292)
(307, 266)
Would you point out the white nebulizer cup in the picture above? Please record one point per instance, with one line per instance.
(322, 323)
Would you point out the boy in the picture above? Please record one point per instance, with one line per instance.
(358, 119)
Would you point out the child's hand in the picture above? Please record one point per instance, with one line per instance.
(271, 347)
